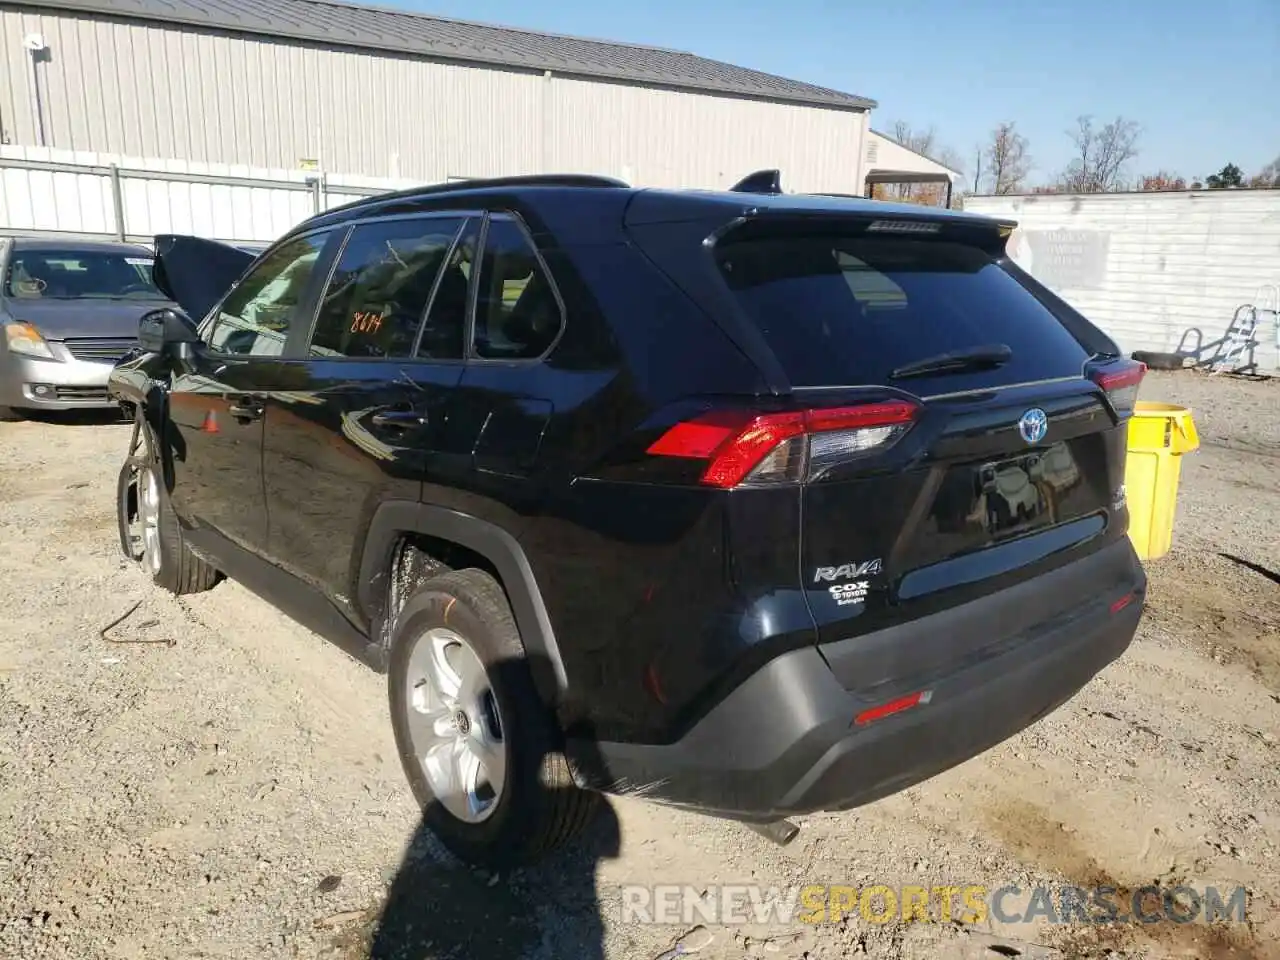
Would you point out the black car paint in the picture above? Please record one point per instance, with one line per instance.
(650, 601)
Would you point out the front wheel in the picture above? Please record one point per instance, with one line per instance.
(480, 749)
(150, 533)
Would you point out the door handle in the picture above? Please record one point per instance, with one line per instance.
(398, 419)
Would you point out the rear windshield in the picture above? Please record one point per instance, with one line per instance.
(47, 274)
(850, 309)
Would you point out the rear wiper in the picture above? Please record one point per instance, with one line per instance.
(959, 361)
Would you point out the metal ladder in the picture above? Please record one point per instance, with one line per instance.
(1269, 303)
(1243, 330)
(1244, 324)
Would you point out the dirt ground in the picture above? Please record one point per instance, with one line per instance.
(229, 788)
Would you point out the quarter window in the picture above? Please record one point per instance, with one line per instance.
(518, 316)
(375, 301)
(254, 317)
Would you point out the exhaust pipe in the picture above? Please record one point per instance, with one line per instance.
(780, 832)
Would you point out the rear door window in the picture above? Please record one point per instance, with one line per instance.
(375, 301)
(846, 310)
(444, 328)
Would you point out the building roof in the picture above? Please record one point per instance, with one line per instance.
(925, 156)
(380, 28)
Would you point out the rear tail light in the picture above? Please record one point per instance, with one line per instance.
(744, 447)
(1122, 603)
(1120, 382)
(873, 714)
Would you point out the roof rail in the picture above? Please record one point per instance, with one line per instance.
(456, 186)
(762, 181)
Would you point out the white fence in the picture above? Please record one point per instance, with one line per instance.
(44, 191)
(1168, 272)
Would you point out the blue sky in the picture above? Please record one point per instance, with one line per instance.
(1202, 78)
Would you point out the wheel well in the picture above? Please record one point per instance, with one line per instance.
(415, 559)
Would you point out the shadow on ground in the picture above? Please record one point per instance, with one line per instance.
(74, 418)
(438, 908)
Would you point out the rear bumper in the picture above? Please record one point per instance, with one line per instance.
(29, 383)
(785, 743)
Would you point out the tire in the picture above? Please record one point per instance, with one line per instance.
(164, 553)
(537, 807)
(10, 415)
(1159, 361)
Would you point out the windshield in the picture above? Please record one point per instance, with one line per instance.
(79, 275)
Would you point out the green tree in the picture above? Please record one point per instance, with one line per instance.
(1228, 176)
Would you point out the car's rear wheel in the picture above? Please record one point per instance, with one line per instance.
(480, 749)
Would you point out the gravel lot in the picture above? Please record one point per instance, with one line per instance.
(229, 787)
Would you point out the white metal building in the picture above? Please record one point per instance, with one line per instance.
(886, 155)
(373, 92)
(1192, 272)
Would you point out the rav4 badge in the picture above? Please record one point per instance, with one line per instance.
(847, 571)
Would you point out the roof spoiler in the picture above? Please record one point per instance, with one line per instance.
(762, 181)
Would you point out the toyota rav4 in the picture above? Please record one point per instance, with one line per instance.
(751, 503)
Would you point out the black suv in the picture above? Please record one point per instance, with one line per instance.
(751, 503)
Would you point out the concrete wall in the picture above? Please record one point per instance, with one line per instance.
(119, 87)
(1157, 271)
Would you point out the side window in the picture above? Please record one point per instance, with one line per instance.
(518, 316)
(379, 291)
(254, 318)
(446, 323)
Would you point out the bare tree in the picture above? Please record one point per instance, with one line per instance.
(921, 141)
(1102, 155)
(1008, 159)
(949, 158)
(1269, 175)
(977, 169)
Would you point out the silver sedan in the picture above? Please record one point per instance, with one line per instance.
(69, 310)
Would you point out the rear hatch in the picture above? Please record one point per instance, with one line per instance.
(960, 432)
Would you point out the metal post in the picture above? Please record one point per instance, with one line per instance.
(317, 193)
(37, 108)
(117, 201)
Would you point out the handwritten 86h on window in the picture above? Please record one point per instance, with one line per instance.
(366, 322)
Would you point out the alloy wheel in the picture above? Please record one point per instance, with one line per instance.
(454, 725)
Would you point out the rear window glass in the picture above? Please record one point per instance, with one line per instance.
(849, 310)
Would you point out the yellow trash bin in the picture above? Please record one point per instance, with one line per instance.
(1159, 434)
